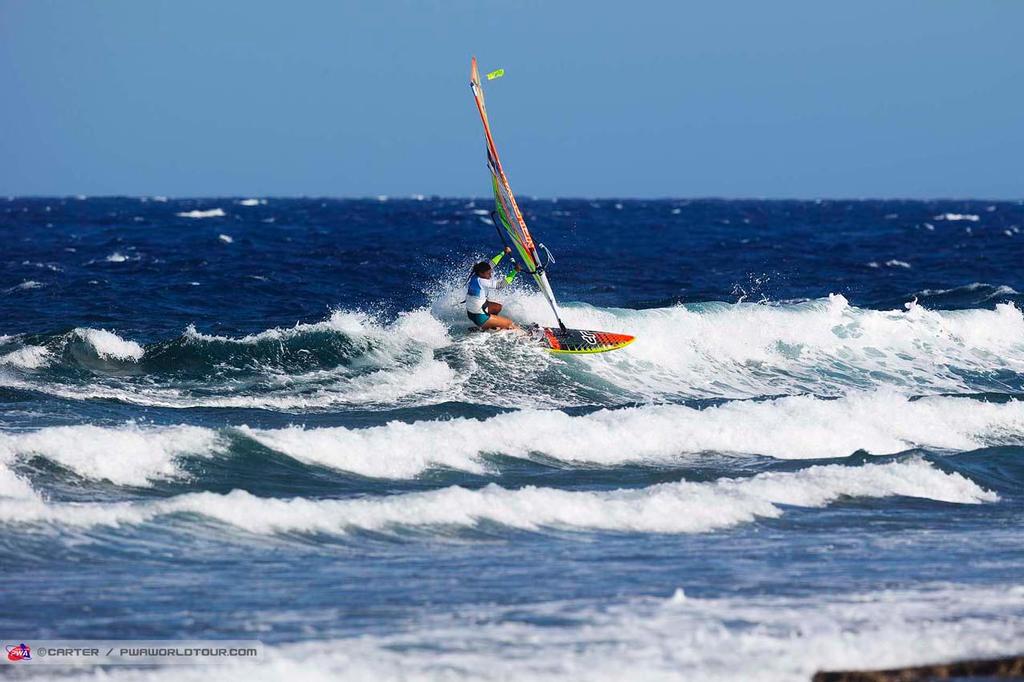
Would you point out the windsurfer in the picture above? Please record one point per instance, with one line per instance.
(482, 312)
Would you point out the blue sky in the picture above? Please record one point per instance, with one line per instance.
(640, 99)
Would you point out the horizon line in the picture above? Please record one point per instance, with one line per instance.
(384, 198)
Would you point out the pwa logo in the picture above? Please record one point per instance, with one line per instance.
(19, 652)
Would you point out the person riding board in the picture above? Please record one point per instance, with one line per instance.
(482, 312)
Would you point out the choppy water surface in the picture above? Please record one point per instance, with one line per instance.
(266, 419)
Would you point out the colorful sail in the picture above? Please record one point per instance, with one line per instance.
(508, 213)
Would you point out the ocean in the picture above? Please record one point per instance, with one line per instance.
(266, 419)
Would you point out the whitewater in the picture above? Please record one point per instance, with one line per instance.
(231, 418)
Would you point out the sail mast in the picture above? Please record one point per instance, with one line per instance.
(510, 217)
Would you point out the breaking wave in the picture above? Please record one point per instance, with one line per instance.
(789, 428)
(129, 455)
(211, 213)
(700, 351)
(800, 427)
(681, 507)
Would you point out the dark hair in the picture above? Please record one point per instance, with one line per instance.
(481, 267)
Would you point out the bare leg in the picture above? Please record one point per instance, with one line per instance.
(497, 322)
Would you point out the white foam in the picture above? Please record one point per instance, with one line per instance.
(826, 347)
(29, 357)
(109, 345)
(227, 239)
(148, 396)
(755, 638)
(396, 365)
(372, 452)
(26, 285)
(952, 217)
(1000, 290)
(116, 257)
(800, 427)
(35, 510)
(13, 486)
(53, 267)
(667, 508)
(402, 353)
(788, 428)
(350, 323)
(897, 263)
(711, 350)
(416, 326)
(252, 202)
(128, 455)
(423, 384)
(212, 213)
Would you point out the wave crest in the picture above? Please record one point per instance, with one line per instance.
(700, 351)
(682, 507)
(666, 435)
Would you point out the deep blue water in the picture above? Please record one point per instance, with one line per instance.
(271, 422)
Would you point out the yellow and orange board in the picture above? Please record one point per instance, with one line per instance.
(584, 340)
